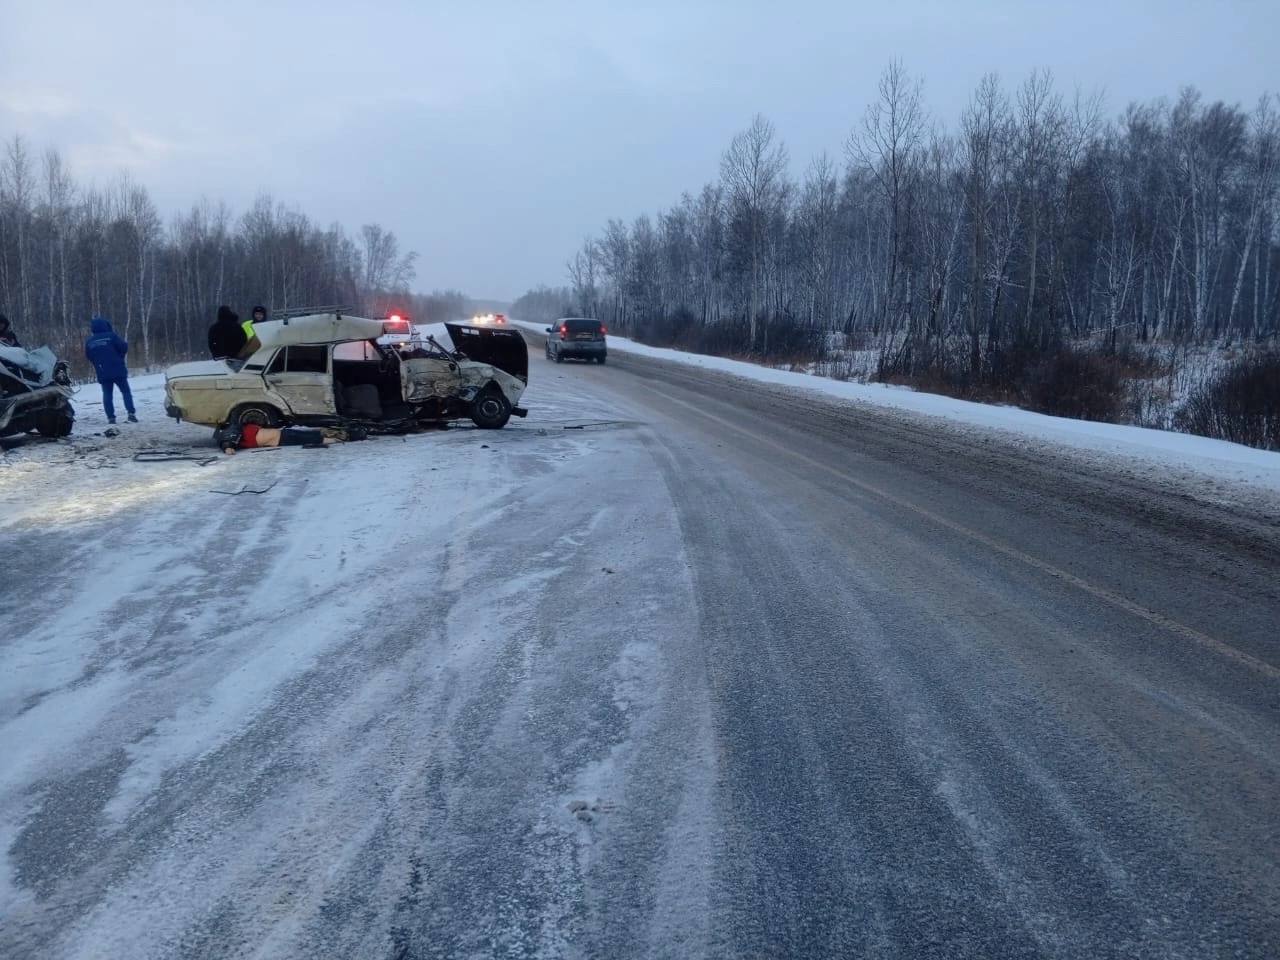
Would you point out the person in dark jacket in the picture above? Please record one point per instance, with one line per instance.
(229, 339)
(7, 336)
(106, 349)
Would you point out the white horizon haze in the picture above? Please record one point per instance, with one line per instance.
(492, 139)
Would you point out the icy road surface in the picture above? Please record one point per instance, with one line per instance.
(677, 667)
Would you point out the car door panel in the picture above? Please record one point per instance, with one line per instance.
(303, 388)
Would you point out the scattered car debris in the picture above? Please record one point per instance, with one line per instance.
(593, 423)
(165, 456)
(246, 489)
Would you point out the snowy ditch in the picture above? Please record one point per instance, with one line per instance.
(1162, 449)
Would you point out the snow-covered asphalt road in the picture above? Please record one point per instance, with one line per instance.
(677, 667)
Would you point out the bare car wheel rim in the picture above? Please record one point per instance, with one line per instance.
(490, 408)
(257, 416)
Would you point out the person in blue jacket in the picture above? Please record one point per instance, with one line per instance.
(105, 349)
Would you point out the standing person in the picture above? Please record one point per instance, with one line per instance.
(7, 336)
(226, 338)
(259, 314)
(106, 349)
(229, 339)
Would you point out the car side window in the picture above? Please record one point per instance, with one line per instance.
(352, 350)
(277, 363)
(307, 360)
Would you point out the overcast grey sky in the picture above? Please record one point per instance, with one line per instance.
(492, 137)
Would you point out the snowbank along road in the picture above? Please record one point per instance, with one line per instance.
(680, 666)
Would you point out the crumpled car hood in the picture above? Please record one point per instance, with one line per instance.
(431, 377)
(34, 366)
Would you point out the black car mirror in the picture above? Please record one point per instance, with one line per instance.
(549, 330)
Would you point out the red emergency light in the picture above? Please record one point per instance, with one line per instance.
(396, 323)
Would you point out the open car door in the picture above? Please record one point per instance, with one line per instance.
(501, 347)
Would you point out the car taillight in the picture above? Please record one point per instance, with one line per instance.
(603, 329)
(564, 333)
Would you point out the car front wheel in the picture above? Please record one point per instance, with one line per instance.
(55, 423)
(491, 410)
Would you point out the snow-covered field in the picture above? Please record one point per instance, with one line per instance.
(1159, 448)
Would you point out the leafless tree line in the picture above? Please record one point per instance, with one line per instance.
(1033, 223)
(68, 252)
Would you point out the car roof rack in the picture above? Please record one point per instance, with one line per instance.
(289, 313)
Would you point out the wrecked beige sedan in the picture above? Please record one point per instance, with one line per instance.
(330, 370)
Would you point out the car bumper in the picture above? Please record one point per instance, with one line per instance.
(584, 348)
(18, 413)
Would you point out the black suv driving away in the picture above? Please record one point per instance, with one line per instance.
(576, 337)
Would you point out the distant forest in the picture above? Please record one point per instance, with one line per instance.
(960, 254)
(69, 251)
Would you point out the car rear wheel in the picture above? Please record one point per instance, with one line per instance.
(559, 357)
(491, 410)
(260, 414)
(600, 359)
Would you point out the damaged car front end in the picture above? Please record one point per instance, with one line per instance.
(35, 393)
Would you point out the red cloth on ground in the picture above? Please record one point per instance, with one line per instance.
(249, 435)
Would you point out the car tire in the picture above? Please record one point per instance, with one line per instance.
(491, 410)
(55, 423)
(260, 414)
(559, 358)
(601, 359)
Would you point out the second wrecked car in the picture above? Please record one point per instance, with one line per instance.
(329, 369)
(35, 393)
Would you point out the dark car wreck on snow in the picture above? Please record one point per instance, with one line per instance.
(35, 393)
(331, 370)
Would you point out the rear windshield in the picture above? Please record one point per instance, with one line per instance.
(581, 326)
